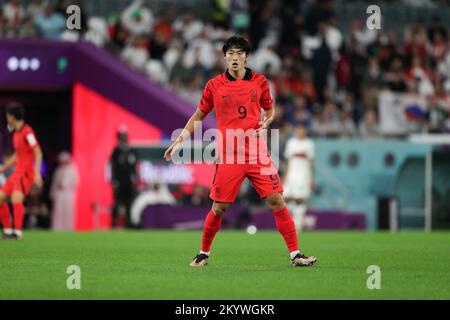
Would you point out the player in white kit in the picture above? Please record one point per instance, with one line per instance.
(299, 174)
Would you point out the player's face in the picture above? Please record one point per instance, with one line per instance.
(300, 132)
(10, 119)
(235, 59)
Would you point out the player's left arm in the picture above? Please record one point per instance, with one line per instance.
(266, 102)
(37, 166)
(267, 120)
(34, 145)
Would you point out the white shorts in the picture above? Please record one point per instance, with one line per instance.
(297, 190)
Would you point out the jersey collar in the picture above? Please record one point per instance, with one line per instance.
(248, 75)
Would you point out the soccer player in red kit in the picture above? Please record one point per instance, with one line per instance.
(237, 97)
(27, 159)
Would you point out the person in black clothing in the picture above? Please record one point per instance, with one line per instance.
(123, 177)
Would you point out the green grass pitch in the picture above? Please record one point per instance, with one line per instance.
(154, 265)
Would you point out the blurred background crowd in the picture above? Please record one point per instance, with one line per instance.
(325, 73)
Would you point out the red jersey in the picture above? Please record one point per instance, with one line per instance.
(237, 104)
(24, 141)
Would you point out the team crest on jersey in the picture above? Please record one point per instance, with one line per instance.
(254, 95)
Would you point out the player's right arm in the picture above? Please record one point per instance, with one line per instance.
(204, 107)
(190, 127)
(8, 163)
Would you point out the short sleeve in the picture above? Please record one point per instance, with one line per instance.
(266, 100)
(206, 102)
(31, 139)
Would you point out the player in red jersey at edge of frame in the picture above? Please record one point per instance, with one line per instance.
(27, 159)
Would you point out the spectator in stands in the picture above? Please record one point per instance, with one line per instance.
(416, 40)
(221, 13)
(137, 19)
(368, 127)
(2, 24)
(436, 27)
(136, 53)
(186, 27)
(14, 13)
(266, 56)
(298, 112)
(372, 81)
(347, 126)
(173, 55)
(358, 66)
(200, 52)
(35, 8)
(164, 24)
(50, 24)
(28, 29)
(361, 34)
(239, 16)
(330, 116)
(436, 116)
(117, 33)
(333, 37)
(418, 77)
(158, 44)
(394, 78)
(342, 71)
(387, 49)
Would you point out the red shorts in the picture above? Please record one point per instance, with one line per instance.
(229, 177)
(21, 182)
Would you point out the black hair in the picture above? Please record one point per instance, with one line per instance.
(238, 42)
(16, 110)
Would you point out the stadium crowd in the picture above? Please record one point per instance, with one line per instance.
(322, 77)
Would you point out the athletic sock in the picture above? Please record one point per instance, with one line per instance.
(294, 253)
(298, 216)
(286, 227)
(19, 212)
(212, 225)
(5, 218)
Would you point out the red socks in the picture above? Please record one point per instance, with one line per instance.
(212, 225)
(283, 220)
(19, 212)
(286, 227)
(5, 217)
